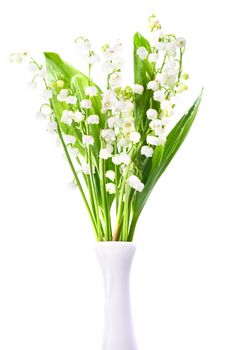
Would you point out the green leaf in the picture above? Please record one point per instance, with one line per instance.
(59, 70)
(157, 157)
(143, 73)
(179, 132)
(143, 69)
(164, 154)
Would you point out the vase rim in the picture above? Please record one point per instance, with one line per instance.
(115, 243)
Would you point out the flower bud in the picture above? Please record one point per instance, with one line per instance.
(153, 22)
(105, 47)
(185, 76)
(127, 93)
(60, 84)
(181, 88)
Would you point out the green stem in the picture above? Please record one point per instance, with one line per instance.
(94, 194)
(126, 213)
(179, 74)
(92, 201)
(119, 216)
(107, 224)
(132, 227)
(76, 178)
(116, 182)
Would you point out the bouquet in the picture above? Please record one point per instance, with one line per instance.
(118, 140)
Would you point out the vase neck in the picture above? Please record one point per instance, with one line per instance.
(115, 259)
(115, 256)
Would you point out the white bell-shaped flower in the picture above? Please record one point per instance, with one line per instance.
(147, 151)
(67, 117)
(135, 183)
(93, 119)
(88, 140)
(86, 104)
(78, 117)
(91, 91)
(135, 136)
(110, 174)
(142, 52)
(62, 96)
(151, 113)
(138, 89)
(110, 187)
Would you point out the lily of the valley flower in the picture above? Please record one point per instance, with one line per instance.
(93, 119)
(106, 153)
(135, 136)
(71, 100)
(156, 125)
(153, 85)
(52, 127)
(18, 57)
(92, 59)
(88, 140)
(142, 53)
(72, 185)
(152, 140)
(110, 174)
(123, 142)
(70, 139)
(121, 158)
(62, 96)
(159, 95)
(78, 117)
(153, 57)
(115, 80)
(180, 42)
(83, 45)
(86, 104)
(110, 187)
(151, 113)
(135, 183)
(41, 115)
(114, 122)
(138, 89)
(91, 91)
(108, 135)
(161, 139)
(32, 85)
(73, 151)
(107, 68)
(171, 49)
(85, 168)
(67, 117)
(147, 151)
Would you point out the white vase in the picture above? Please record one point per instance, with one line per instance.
(115, 259)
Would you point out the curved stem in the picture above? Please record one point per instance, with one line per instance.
(76, 178)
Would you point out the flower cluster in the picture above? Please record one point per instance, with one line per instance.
(86, 52)
(110, 135)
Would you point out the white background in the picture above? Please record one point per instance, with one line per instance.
(182, 278)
